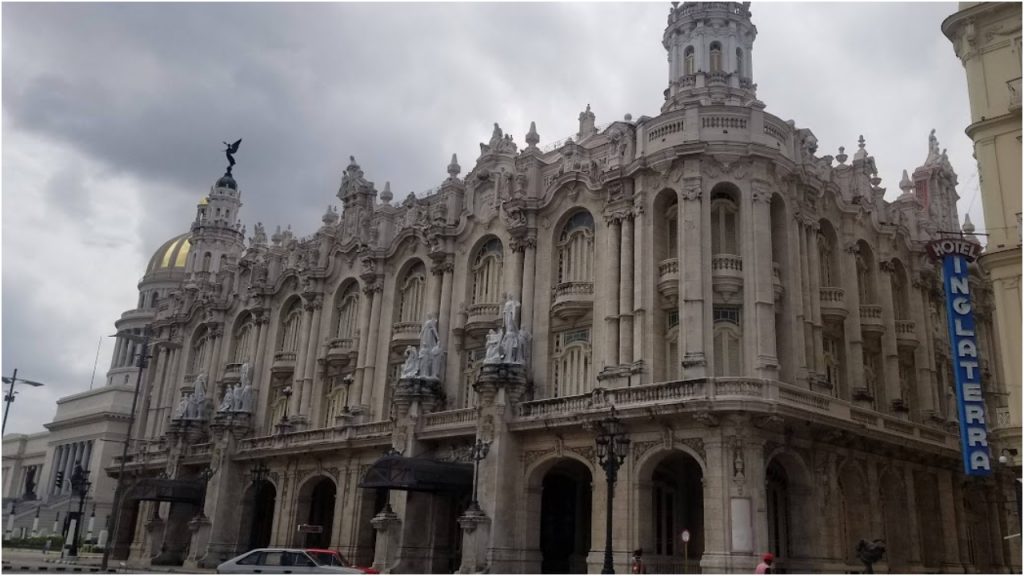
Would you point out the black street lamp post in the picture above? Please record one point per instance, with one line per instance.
(9, 397)
(79, 486)
(612, 448)
(480, 450)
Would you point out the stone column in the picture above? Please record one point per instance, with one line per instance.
(515, 281)
(795, 294)
(817, 326)
(694, 217)
(216, 363)
(444, 321)
(365, 303)
(295, 406)
(371, 346)
(890, 352)
(639, 282)
(717, 531)
(854, 337)
(529, 279)
(312, 346)
(614, 239)
(947, 510)
(434, 288)
(914, 533)
(626, 289)
(389, 532)
(758, 283)
(924, 362)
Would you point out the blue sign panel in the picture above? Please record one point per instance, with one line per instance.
(966, 365)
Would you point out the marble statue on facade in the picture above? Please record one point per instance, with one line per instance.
(412, 364)
(182, 410)
(493, 355)
(228, 402)
(244, 394)
(429, 352)
(509, 313)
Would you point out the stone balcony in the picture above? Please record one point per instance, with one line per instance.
(405, 334)
(871, 318)
(833, 303)
(323, 440)
(727, 273)
(668, 278)
(232, 372)
(906, 333)
(342, 349)
(572, 299)
(482, 317)
(283, 362)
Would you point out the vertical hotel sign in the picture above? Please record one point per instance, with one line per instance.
(955, 254)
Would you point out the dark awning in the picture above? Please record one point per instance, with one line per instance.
(417, 474)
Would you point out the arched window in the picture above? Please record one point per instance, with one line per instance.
(576, 249)
(739, 62)
(825, 261)
(290, 325)
(832, 350)
(243, 341)
(716, 57)
(864, 280)
(572, 363)
(672, 229)
(487, 268)
(900, 297)
(672, 343)
(411, 294)
(206, 262)
(154, 299)
(724, 228)
(348, 314)
(689, 62)
(221, 262)
(728, 341)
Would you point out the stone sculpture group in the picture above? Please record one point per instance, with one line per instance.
(192, 406)
(239, 398)
(509, 344)
(427, 361)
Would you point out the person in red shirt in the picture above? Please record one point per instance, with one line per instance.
(765, 567)
(638, 563)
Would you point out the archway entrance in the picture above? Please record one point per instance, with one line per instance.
(671, 499)
(258, 515)
(316, 512)
(790, 512)
(565, 518)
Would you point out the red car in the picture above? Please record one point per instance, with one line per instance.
(326, 557)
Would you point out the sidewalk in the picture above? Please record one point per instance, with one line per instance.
(86, 562)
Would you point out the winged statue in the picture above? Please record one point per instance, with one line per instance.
(231, 150)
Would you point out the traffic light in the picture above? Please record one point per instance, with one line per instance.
(59, 481)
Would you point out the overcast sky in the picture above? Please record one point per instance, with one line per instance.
(113, 117)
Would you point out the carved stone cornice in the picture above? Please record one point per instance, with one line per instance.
(312, 301)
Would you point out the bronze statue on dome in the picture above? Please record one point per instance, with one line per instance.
(231, 150)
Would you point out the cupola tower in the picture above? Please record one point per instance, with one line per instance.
(710, 58)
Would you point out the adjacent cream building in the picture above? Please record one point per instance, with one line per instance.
(766, 326)
(987, 39)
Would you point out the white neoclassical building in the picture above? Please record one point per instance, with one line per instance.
(767, 328)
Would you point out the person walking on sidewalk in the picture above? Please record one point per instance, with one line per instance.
(765, 567)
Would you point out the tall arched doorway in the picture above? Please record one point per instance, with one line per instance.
(790, 512)
(258, 515)
(315, 508)
(671, 499)
(565, 518)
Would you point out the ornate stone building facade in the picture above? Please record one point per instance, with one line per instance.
(768, 329)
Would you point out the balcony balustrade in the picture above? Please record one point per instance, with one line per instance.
(833, 302)
(668, 277)
(405, 334)
(572, 299)
(871, 318)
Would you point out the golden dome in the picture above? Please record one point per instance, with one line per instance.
(171, 254)
(204, 201)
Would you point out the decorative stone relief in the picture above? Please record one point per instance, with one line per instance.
(641, 448)
(697, 444)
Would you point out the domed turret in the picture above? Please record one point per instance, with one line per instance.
(709, 54)
(171, 255)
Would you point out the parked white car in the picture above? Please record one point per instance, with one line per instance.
(279, 561)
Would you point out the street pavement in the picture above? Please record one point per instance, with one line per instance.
(20, 561)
